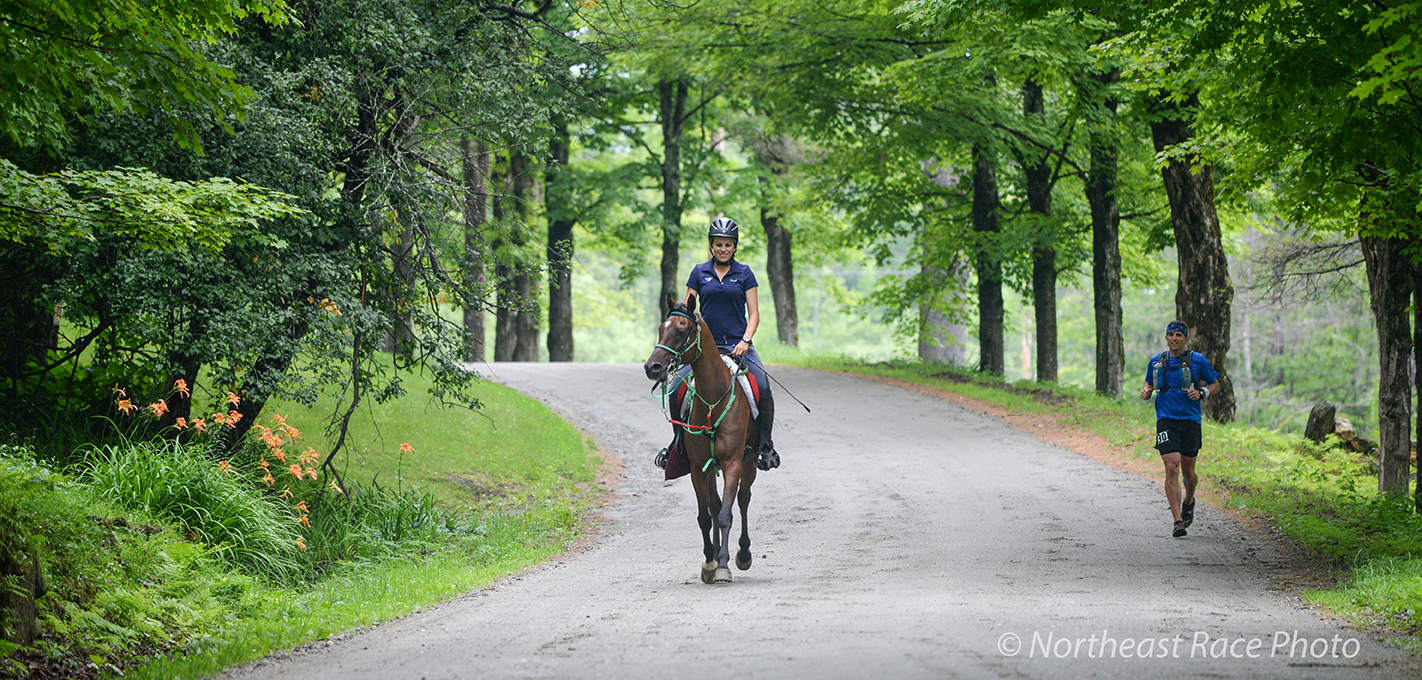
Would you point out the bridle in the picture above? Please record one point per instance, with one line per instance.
(693, 338)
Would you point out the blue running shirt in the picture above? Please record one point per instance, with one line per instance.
(1170, 400)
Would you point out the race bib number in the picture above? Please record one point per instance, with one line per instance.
(1162, 437)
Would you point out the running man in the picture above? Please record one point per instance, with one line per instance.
(1178, 374)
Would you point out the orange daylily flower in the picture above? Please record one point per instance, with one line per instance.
(119, 391)
(309, 456)
(337, 488)
(199, 425)
(279, 419)
(291, 431)
(286, 494)
(300, 543)
(180, 424)
(269, 479)
(280, 455)
(265, 465)
(158, 407)
(225, 467)
(407, 448)
(219, 418)
(295, 471)
(302, 506)
(305, 519)
(311, 474)
(232, 418)
(126, 406)
(232, 397)
(182, 387)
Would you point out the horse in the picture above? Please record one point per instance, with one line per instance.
(716, 434)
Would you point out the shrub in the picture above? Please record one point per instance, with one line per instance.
(180, 483)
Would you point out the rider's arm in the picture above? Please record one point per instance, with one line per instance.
(752, 313)
(752, 321)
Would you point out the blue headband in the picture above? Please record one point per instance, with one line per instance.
(1176, 326)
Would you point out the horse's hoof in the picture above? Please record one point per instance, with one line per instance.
(743, 564)
(723, 575)
(708, 572)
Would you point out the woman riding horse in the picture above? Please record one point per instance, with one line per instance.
(727, 291)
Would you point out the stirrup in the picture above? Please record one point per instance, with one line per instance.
(661, 459)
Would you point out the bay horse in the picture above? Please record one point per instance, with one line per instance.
(715, 435)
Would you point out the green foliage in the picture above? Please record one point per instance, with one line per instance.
(182, 484)
(121, 583)
(67, 57)
(68, 211)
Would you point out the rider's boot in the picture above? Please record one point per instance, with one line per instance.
(661, 459)
(769, 459)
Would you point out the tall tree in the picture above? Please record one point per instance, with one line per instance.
(991, 355)
(672, 114)
(1203, 293)
(476, 245)
(560, 247)
(1100, 187)
(1037, 168)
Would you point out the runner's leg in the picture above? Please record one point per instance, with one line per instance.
(1172, 482)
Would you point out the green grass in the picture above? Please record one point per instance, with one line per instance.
(365, 593)
(163, 566)
(182, 485)
(511, 450)
(1323, 497)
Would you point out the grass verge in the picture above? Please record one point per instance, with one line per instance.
(1323, 497)
(155, 569)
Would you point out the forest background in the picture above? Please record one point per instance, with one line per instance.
(213, 207)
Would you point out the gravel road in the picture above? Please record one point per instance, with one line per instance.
(903, 537)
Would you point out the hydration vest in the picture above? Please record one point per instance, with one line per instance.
(1157, 370)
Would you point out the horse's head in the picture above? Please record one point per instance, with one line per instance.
(677, 334)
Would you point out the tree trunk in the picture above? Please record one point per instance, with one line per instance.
(1100, 192)
(1417, 370)
(991, 356)
(672, 113)
(476, 247)
(401, 338)
(1204, 293)
(560, 250)
(1390, 290)
(505, 305)
(943, 340)
(781, 270)
(186, 366)
(525, 282)
(1044, 253)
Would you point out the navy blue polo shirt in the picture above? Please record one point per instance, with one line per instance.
(723, 300)
(1171, 401)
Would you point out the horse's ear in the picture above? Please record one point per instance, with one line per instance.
(670, 302)
(690, 303)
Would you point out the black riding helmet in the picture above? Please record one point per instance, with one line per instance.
(724, 226)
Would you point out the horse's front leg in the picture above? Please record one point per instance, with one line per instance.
(707, 506)
(731, 474)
